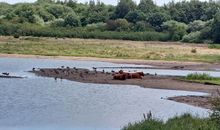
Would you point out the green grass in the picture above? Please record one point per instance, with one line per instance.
(214, 46)
(202, 78)
(185, 122)
(107, 49)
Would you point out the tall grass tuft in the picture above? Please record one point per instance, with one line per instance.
(198, 76)
(184, 122)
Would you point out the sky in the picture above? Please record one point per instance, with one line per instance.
(114, 2)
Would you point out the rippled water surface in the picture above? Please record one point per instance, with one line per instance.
(37, 103)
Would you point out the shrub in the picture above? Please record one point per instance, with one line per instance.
(142, 26)
(176, 29)
(193, 50)
(193, 37)
(96, 26)
(57, 23)
(122, 25)
(118, 25)
(72, 20)
(16, 36)
(196, 25)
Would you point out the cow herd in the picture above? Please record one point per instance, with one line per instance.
(121, 75)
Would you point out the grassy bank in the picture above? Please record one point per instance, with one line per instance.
(185, 122)
(202, 78)
(109, 49)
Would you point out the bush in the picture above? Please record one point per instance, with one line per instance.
(57, 23)
(79, 32)
(194, 50)
(176, 29)
(118, 25)
(96, 26)
(193, 37)
(196, 25)
(16, 36)
(142, 26)
(72, 20)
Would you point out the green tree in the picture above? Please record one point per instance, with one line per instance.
(25, 12)
(123, 7)
(72, 20)
(59, 11)
(135, 16)
(147, 6)
(189, 11)
(216, 29)
(157, 19)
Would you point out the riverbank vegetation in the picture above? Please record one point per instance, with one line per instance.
(203, 78)
(184, 122)
(120, 49)
(187, 21)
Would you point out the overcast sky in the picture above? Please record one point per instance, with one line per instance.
(114, 2)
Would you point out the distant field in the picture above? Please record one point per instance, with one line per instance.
(110, 49)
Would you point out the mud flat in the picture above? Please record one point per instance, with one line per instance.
(148, 81)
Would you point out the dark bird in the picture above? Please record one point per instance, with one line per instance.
(5, 73)
(149, 115)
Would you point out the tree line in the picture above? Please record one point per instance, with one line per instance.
(187, 21)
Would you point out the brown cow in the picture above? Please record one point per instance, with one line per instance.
(135, 76)
(119, 77)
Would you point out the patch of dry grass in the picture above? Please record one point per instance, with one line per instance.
(109, 49)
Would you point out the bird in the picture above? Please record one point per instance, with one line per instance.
(149, 115)
(5, 73)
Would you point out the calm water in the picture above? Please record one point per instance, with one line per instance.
(37, 103)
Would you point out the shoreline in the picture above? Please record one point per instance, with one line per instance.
(151, 81)
(174, 65)
(148, 81)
